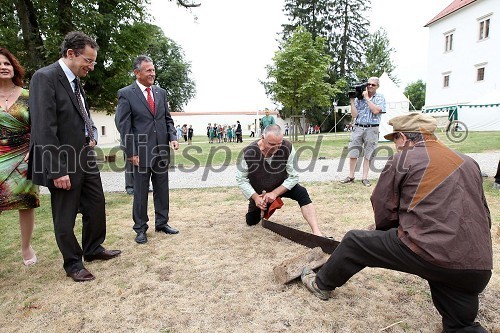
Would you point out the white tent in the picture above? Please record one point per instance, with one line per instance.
(396, 104)
(483, 113)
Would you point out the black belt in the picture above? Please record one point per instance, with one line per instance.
(369, 125)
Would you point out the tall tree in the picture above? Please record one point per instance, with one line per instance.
(33, 29)
(377, 58)
(343, 25)
(297, 77)
(350, 33)
(313, 15)
(415, 92)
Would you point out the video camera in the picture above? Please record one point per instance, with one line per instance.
(357, 89)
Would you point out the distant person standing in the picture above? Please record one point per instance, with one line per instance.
(230, 133)
(190, 134)
(286, 129)
(252, 130)
(266, 120)
(184, 130)
(367, 113)
(238, 132)
(178, 133)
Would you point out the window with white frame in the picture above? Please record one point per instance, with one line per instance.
(103, 130)
(480, 71)
(480, 74)
(446, 80)
(484, 27)
(448, 42)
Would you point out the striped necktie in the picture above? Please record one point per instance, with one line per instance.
(83, 111)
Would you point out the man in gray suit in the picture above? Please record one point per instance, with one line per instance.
(62, 155)
(146, 129)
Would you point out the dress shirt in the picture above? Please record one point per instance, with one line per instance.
(144, 92)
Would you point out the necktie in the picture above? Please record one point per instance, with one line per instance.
(150, 100)
(83, 111)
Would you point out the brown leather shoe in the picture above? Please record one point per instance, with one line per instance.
(81, 275)
(104, 255)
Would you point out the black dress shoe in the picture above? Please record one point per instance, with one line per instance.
(81, 275)
(141, 238)
(167, 229)
(104, 255)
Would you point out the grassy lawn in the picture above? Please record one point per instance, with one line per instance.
(217, 274)
(327, 146)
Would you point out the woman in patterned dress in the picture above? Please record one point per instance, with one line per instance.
(16, 191)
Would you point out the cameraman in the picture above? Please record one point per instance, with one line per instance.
(367, 112)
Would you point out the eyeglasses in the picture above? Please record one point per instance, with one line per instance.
(88, 60)
(371, 85)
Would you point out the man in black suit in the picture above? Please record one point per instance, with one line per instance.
(62, 155)
(146, 129)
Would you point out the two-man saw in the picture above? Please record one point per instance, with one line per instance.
(328, 245)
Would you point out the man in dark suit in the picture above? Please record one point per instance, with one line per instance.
(146, 129)
(62, 155)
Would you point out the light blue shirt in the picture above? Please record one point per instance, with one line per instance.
(365, 115)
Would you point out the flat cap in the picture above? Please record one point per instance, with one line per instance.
(414, 122)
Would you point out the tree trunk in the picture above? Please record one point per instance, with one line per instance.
(31, 35)
(65, 21)
(344, 42)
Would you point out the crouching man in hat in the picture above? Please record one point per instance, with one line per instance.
(431, 220)
(268, 165)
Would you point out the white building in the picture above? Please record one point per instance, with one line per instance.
(108, 134)
(464, 54)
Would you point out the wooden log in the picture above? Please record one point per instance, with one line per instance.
(291, 269)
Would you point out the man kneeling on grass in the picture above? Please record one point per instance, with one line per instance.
(268, 165)
(431, 220)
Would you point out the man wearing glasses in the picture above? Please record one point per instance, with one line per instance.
(364, 136)
(62, 155)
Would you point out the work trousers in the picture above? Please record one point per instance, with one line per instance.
(454, 292)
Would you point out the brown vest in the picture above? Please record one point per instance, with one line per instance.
(262, 175)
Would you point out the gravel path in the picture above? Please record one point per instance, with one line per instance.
(321, 170)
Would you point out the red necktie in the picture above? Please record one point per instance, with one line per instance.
(150, 100)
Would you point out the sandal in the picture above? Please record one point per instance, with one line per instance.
(347, 180)
(30, 262)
